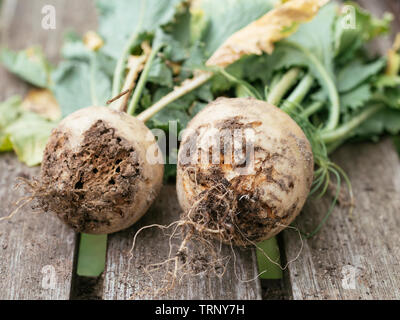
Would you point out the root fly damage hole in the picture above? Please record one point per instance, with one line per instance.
(97, 181)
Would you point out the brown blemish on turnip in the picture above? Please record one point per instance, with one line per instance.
(96, 175)
(97, 182)
(237, 208)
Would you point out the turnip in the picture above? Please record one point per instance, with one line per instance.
(95, 173)
(235, 206)
(102, 167)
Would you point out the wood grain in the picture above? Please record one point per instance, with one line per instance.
(124, 278)
(36, 250)
(358, 256)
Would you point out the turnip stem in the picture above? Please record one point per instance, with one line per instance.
(334, 112)
(313, 108)
(269, 269)
(345, 129)
(92, 255)
(286, 82)
(186, 87)
(297, 96)
(121, 65)
(135, 68)
(142, 81)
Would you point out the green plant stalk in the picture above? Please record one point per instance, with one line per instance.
(282, 87)
(345, 129)
(142, 81)
(334, 112)
(299, 93)
(313, 108)
(273, 83)
(249, 90)
(186, 87)
(121, 63)
(267, 268)
(92, 255)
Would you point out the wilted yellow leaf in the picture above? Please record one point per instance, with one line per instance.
(42, 102)
(92, 40)
(260, 35)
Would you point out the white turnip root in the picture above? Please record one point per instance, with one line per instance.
(245, 169)
(95, 174)
(238, 205)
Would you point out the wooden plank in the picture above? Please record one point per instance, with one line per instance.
(124, 278)
(354, 256)
(37, 250)
(358, 256)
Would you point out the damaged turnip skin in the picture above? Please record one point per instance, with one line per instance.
(219, 200)
(95, 174)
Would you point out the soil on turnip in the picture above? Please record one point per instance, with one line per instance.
(90, 187)
(234, 207)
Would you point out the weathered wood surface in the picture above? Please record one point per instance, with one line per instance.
(363, 247)
(36, 250)
(358, 256)
(124, 279)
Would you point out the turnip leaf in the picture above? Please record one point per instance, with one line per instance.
(224, 18)
(118, 20)
(357, 72)
(30, 65)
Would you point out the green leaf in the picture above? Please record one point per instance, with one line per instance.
(118, 20)
(9, 112)
(356, 72)
(29, 64)
(29, 135)
(226, 17)
(385, 81)
(390, 97)
(199, 24)
(196, 60)
(5, 142)
(80, 84)
(385, 121)
(179, 38)
(356, 98)
(348, 39)
(74, 49)
(162, 118)
(160, 73)
(317, 36)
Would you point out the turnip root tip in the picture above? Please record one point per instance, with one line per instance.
(95, 175)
